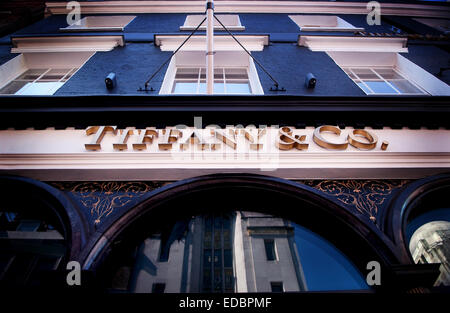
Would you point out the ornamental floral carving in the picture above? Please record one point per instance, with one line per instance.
(365, 196)
(101, 199)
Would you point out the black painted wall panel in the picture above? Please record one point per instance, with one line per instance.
(289, 64)
(286, 62)
(5, 54)
(431, 59)
(133, 64)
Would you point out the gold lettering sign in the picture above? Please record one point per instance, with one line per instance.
(253, 135)
(324, 143)
(355, 142)
(167, 137)
(286, 139)
(196, 138)
(228, 139)
(124, 135)
(99, 132)
(146, 136)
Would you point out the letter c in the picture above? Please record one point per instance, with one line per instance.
(324, 143)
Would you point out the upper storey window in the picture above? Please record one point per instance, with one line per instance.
(40, 73)
(234, 73)
(41, 81)
(231, 22)
(387, 73)
(101, 23)
(323, 23)
(192, 80)
(382, 80)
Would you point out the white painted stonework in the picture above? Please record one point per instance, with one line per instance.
(243, 6)
(61, 155)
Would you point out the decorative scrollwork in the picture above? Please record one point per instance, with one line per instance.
(101, 199)
(364, 196)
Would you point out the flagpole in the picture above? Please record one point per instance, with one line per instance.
(210, 47)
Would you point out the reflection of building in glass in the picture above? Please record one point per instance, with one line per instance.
(30, 248)
(240, 252)
(431, 244)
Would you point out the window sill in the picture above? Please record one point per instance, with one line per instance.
(216, 28)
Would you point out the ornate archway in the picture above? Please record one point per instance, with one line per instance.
(219, 193)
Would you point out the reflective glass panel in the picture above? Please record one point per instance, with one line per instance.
(212, 253)
(380, 87)
(184, 87)
(405, 86)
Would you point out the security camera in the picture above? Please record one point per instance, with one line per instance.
(110, 81)
(310, 80)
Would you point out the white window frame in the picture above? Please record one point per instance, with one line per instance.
(14, 68)
(253, 77)
(29, 84)
(224, 79)
(112, 23)
(409, 70)
(341, 24)
(380, 78)
(191, 25)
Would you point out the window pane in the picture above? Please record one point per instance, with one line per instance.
(197, 268)
(405, 86)
(227, 258)
(380, 87)
(187, 73)
(388, 73)
(164, 251)
(218, 73)
(54, 75)
(158, 288)
(71, 72)
(207, 258)
(276, 286)
(365, 73)
(28, 225)
(217, 280)
(30, 251)
(270, 249)
(185, 87)
(206, 279)
(427, 233)
(47, 88)
(229, 280)
(349, 73)
(217, 258)
(238, 87)
(202, 73)
(12, 87)
(219, 86)
(236, 73)
(362, 86)
(32, 74)
(202, 87)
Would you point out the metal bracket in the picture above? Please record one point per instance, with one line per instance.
(277, 88)
(145, 89)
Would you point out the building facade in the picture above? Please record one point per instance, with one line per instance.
(278, 147)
